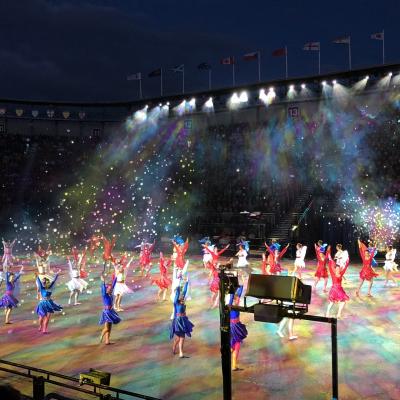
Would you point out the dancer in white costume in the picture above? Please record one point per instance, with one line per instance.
(7, 259)
(242, 257)
(390, 265)
(121, 288)
(76, 284)
(299, 263)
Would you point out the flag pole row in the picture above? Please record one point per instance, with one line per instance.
(254, 56)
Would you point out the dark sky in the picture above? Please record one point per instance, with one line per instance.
(82, 50)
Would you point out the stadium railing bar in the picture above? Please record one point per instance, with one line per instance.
(40, 377)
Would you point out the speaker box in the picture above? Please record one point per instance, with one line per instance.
(268, 313)
(95, 376)
(275, 287)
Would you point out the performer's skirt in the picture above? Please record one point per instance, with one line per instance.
(238, 333)
(109, 315)
(337, 294)
(181, 326)
(8, 301)
(47, 306)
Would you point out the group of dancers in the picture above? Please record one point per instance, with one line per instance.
(173, 277)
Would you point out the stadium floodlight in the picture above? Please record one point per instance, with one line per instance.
(303, 85)
(209, 103)
(390, 73)
(367, 77)
(291, 87)
(160, 105)
(192, 102)
(323, 83)
(244, 98)
(271, 89)
(334, 82)
(235, 99)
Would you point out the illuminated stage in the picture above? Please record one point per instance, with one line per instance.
(141, 358)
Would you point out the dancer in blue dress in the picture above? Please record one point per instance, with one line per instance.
(46, 305)
(180, 326)
(109, 316)
(238, 330)
(8, 301)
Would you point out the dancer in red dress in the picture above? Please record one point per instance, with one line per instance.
(275, 257)
(265, 268)
(163, 282)
(180, 249)
(322, 258)
(145, 257)
(213, 265)
(94, 244)
(367, 273)
(109, 245)
(337, 295)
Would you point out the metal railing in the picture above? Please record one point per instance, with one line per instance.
(40, 377)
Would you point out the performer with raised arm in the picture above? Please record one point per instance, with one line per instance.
(367, 273)
(213, 265)
(180, 326)
(43, 265)
(94, 244)
(206, 255)
(242, 254)
(181, 248)
(8, 301)
(163, 282)
(109, 316)
(238, 329)
(76, 284)
(121, 288)
(145, 257)
(80, 261)
(275, 257)
(299, 263)
(322, 253)
(108, 257)
(390, 265)
(46, 305)
(8, 258)
(337, 295)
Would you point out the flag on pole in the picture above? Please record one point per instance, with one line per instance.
(179, 68)
(156, 72)
(251, 56)
(345, 40)
(342, 40)
(228, 61)
(311, 46)
(204, 66)
(279, 52)
(134, 77)
(378, 36)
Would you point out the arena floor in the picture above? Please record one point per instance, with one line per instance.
(141, 359)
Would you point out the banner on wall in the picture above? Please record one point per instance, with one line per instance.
(19, 112)
(35, 113)
(66, 114)
(50, 113)
(293, 112)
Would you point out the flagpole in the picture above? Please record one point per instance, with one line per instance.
(259, 66)
(286, 62)
(383, 46)
(209, 79)
(161, 83)
(183, 80)
(140, 89)
(319, 59)
(233, 72)
(349, 52)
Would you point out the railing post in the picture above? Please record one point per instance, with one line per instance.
(38, 388)
(335, 383)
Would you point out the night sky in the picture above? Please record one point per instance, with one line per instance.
(83, 50)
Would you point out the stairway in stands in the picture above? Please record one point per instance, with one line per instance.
(282, 230)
